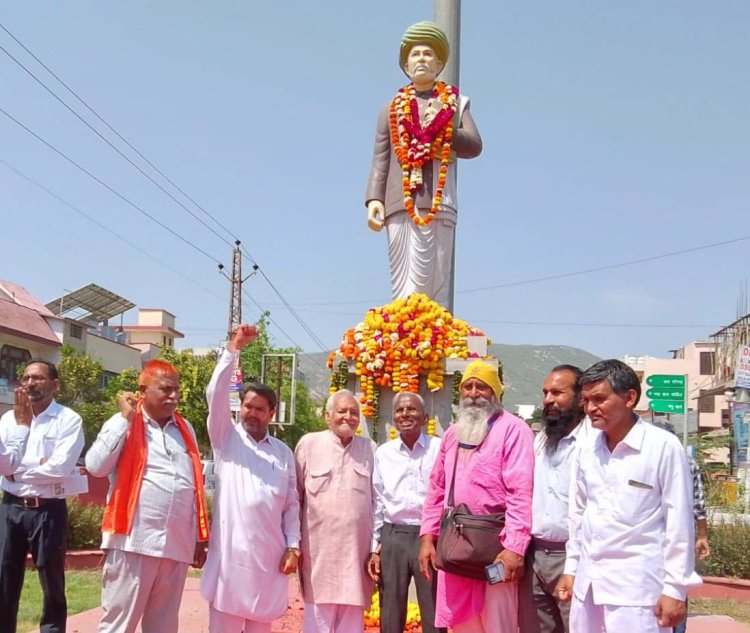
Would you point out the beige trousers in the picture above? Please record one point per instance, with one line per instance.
(145, 589)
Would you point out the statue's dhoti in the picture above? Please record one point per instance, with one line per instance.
(421, 257)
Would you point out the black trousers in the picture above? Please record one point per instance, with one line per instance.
(43, 531)
(399, 548)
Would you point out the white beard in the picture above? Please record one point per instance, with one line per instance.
(471, 422)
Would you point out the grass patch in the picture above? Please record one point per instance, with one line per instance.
(82, 589)
(740, 611)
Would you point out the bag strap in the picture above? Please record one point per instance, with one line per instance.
(492, 420)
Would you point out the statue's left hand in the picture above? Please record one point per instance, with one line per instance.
(375, 215)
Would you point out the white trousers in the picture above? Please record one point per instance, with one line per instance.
(421, 257)
(500, 613)
(587, 617)
(220, 622)
(333, 618)
(137, 588)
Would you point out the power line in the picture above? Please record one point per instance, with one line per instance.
(573, 324)
(587, 271)
(268, 315)
(114, 131)
(141, 250)
(286, 304)
(106, 228)
(108, 187)
(297, 317)
(535, 280)
(294, 313)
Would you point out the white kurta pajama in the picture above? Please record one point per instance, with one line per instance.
(256, 513)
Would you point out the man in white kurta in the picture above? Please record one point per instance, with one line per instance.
(630, 558)
(255, 528)
(334, 475)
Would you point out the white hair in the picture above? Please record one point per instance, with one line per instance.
(331, 402)
(472, 418)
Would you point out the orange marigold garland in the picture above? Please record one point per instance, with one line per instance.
(399, 342)
(416, 144)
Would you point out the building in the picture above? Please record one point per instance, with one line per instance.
(728, 341)
(706, 407)
(82, 319)
(86, 313)
(27, 330)
(155, 329)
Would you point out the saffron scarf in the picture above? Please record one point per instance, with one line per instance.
(120, 509)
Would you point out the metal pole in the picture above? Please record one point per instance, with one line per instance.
(685, 405)
(447, 15)
(278, 390)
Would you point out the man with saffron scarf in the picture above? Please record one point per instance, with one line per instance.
(256, 532)
(412, 184)
(491, 452)
(155, 522)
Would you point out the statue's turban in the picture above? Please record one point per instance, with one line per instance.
(425, 34)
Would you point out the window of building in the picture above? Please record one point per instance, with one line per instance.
(76, 331)
(106, 377)
(707, 363)
(707, 404)
(11, 359)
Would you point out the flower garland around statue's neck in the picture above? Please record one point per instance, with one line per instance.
(416, 144)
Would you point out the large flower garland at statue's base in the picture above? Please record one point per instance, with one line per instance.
(398, 343)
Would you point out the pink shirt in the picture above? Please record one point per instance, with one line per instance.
(497, 476)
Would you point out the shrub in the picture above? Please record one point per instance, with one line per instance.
(729, 540)
(84, 525)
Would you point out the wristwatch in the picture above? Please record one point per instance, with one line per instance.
(294, 550)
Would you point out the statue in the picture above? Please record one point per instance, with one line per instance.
(412, 184)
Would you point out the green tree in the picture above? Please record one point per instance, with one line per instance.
(81, 390)
(307, 415)
(195, 373)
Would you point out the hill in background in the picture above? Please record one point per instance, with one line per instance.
(525, 368)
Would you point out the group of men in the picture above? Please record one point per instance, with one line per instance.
(598, 532)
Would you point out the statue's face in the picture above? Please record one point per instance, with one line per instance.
(422, 64)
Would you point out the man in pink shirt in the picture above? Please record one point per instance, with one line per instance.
(492, 454)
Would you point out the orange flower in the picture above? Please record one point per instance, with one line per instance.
(397, 343)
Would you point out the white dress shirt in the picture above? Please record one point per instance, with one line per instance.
(553, 479)
(256, 512)
(12, 447)
(164, 523)
(400, 481)
(56, 435)
(631, 521)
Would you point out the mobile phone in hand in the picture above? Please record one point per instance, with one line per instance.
(495, 573)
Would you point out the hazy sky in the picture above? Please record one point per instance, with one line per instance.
(613, 132)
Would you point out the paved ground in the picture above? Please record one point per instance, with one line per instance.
(194, 616)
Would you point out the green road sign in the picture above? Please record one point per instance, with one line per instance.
(666, 406)
(666, 380)
(674, 393)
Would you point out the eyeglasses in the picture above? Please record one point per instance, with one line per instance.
(35, 378)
